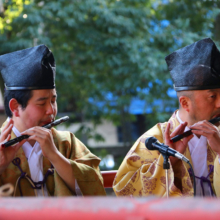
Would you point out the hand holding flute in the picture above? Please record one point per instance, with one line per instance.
(6, 156)
(179, 146)
(210, 131)
(44, 137)
(48, 126)
(189, 132)
(205, 128)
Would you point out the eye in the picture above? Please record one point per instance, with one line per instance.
(42, 104)
(213, 96)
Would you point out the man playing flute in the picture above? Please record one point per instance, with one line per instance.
(195, 71)
(49, 162)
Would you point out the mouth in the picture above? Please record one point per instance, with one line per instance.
(215, 120)
(48, 121)
(216, 116)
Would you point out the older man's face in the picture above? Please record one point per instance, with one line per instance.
(205, 105)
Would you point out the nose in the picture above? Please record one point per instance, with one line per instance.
(50, 109)
(218, 102)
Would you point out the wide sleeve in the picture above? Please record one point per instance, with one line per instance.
(216, 176)
(85, 165)
(141, 172)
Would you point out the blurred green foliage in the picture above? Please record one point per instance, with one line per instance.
(106, 51)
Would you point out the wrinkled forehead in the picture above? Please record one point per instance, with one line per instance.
(206, 93)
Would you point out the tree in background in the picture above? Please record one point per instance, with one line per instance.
(109, 52)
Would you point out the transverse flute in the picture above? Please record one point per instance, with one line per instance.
(189, 132)
(48, 126)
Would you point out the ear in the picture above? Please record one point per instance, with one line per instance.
(14, 107)
(185, 102)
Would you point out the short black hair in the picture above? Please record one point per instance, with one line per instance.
(22, 97)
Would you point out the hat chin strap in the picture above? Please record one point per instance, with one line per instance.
(29, 88)
(182, 88)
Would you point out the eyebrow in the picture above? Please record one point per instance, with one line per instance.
(211, 90)
(45, 98)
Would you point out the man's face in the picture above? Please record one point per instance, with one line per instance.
(205, 105)
(41, 109)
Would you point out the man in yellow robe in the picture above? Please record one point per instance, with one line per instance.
(49, 162)
(195, 71)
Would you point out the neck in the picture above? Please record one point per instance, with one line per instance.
(185, 117)
(32, 142)
(17, 123)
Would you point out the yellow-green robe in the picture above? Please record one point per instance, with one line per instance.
(88, 178)
(141, 172)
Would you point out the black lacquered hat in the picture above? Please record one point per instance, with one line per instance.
(28, 69)
(195, 67)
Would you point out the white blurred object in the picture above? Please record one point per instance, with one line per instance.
(108, 161)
